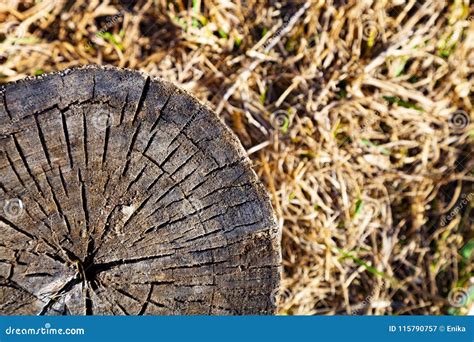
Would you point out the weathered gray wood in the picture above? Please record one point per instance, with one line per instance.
(122, 194)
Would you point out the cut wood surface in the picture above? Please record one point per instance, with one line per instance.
(122, 194)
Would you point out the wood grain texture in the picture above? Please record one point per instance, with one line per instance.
(121, 194)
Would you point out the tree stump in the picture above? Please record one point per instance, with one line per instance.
(121, 194)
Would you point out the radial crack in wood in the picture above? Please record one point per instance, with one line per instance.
(121, 194)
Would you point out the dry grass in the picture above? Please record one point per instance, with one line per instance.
(357, 115)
